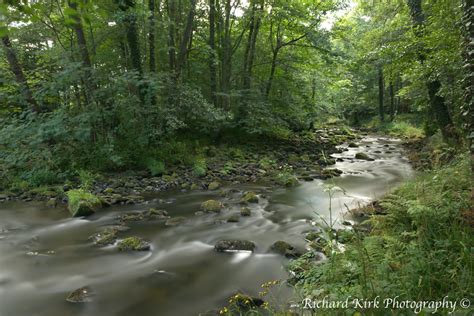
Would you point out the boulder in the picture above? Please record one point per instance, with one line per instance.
(353, 145)
(234, 245)
(211, 206)
(133, 244)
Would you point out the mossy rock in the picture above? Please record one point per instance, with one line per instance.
(285, 249)
(234, 245)
(245, 211)
(175, 221)
(194, 186)
(363, 156)
(109, 190)
(106, 237)
(133, 244)
(82, 203)
(249, 197)
(214, 185)
(211, 206)
(233, 219)
(353, 145)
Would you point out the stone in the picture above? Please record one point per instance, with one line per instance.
(133, 244)
(175, 221)
(234, 245)
(353, 145)
(285, 249)
(249, 197)
(81, 295)
(363, 156)
(106, 237)
(214, 185)
(211, 206)
(245, 211)
(233, 219)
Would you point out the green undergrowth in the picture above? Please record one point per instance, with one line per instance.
(404, 126)
(422, 249)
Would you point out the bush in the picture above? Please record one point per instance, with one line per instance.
(200, 167)
(156, 167)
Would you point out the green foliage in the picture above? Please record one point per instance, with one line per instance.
(82, 202)
(200, 167)
(421, 249)
(286, 178)
(86, 179)
(156, 167)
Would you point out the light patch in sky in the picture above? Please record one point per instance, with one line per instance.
(330, 19)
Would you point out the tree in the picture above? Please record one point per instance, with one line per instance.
(437, 102)
(18, 72)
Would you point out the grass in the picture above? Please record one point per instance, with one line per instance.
(420, 250)
(404, 126)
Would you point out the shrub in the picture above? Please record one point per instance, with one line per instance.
(156, 167)
(200, 167)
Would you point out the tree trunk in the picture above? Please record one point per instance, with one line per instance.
(392, 101)
(18, 72)
(84, 52)
(212, 55)
(468, 107)
(437, 102)
(188, 31)
(130, 21)
(381, 90)
(272, 71)
(81, 39)
(226, 57)
(151, 36)
(251, 43)
(171, 35)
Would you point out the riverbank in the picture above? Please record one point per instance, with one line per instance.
(416, 243)
(281, 162)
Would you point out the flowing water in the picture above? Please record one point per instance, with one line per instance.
(45, 254)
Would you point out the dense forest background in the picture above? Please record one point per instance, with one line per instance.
(111, 85)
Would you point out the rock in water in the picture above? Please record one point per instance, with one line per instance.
(249, 197)
(363, 156)
(211, 206)
(133, 244)
(285, 249)
(81, 295)
(214, 185)
(234, 245)
(245, 211)
(175, 221)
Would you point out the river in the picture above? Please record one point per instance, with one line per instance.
(45, 254)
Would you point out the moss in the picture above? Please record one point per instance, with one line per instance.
(363, 156)
(245, 211)
(133, 244)
(214, 185)
(249, 197)
(82, 203)
(211, 206)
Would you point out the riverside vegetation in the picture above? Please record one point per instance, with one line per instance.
(110, 102)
